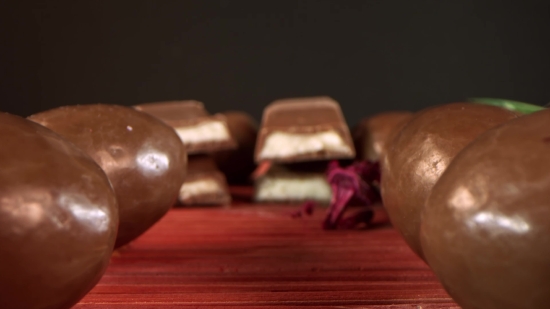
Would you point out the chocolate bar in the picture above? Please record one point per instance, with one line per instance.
(371, 134)
(199, 131)
(238, 164)
(293, 183)
(204, 183)
(303, 129)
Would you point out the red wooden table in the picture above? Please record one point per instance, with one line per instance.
(257, 256)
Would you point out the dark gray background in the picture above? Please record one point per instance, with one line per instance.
(369, 55)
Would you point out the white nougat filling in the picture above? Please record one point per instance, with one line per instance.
(283, 145)
(198, 187)
(288, 189)
(207, 131)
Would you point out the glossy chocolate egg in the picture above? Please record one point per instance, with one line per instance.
(143, 158)
(372, 133)
(485, 230)
(58, 218)
(419, 153)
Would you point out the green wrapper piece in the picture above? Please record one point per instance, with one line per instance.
(521, 107)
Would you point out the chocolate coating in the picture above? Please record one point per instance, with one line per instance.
(58, 218)
(238, 164)
(419, 153)
(372, 133)
(485, 229)
(143, 158)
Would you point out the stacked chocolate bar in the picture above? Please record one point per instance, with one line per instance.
(297, 140)
(202, 134)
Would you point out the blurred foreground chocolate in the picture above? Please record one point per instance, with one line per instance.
(296, 182)
(204, 183)
(419, 153)
(303, 129)
(199, 131)
(485, 227)
(58, 218)
(372, 133)
(238, 164)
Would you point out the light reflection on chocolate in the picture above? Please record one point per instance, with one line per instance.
(152, 162)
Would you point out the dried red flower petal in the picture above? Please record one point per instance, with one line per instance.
(306, 209)
(309, 207)
(340, 198)
(364, 216)
(356, 181)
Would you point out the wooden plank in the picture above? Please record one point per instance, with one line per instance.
(257, 256)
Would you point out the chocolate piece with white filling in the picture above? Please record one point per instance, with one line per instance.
(199, 131)
(293, 183)
(303, 129)
(204, 183)
(238, 164)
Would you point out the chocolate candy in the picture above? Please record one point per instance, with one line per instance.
(294, 183)
(143, 158)
(237, 164)
(372, 133)
(419, 153)
(485, 229)
(58, 218)
(204, 183)
(199, 131)
(303, 130)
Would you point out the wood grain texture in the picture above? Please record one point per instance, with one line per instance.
(257, 256)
